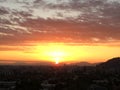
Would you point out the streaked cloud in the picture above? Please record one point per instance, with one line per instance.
(69, 21)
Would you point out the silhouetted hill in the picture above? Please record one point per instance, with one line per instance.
(27, 62)
(111, 64)
(84, 64)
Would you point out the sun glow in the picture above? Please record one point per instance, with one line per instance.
(64, 53)
(59, 53)
(57, 56)
(53, 52)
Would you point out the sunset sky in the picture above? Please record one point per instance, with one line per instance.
(59, 30)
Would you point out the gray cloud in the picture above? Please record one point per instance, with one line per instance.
(79, 21)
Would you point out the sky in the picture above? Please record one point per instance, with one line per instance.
(64, 30)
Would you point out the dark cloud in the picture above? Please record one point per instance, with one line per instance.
(2, 0)
(3, 11)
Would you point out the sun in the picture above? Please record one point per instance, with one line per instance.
(57, 60)
(57, 56)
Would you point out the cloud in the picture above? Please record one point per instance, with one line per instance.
(70, 21)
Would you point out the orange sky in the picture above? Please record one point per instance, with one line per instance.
(62, 52)
(59, 30)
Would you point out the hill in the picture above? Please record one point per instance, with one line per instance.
(111, 65)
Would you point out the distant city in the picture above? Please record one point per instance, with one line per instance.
(102, 76)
